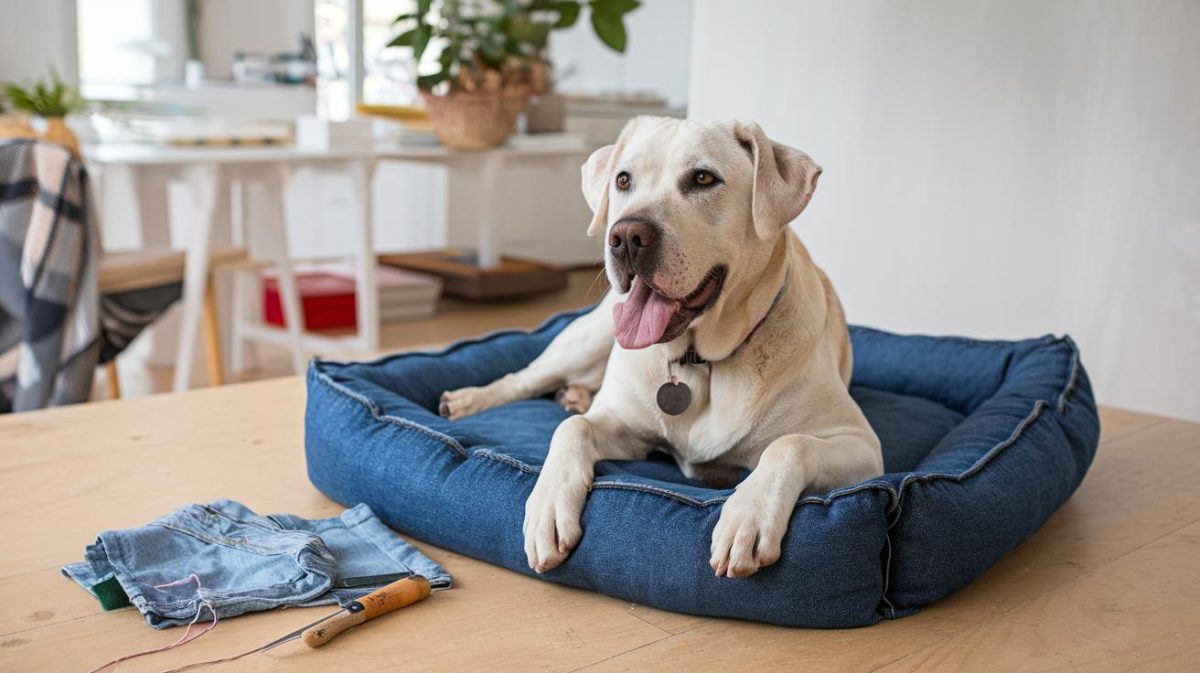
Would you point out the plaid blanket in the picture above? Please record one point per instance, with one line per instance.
(49, 327)
(54, 327)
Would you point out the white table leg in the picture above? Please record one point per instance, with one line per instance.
(202, 179)
(276, 240)
(485, 249)
(247, 291)
(362, 172)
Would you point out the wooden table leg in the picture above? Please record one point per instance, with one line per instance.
(112, 382)
(212, 337)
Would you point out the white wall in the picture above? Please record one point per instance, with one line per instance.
(996, 169)
(655, 59)
(265, 27)
(136, 42)
(35, 36)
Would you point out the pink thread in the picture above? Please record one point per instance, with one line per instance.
(222, 660)
(184, 639)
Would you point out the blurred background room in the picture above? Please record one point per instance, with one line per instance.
(291, 256)
(996, 170)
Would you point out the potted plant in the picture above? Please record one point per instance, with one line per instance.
(547, 109)
(493, 56)
(47, 103)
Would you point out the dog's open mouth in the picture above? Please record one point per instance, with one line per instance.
(649, 317)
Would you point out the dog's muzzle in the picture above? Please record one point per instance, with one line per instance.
(633, 248)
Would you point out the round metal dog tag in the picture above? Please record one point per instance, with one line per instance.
(674, 398)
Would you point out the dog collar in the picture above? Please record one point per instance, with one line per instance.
(692, 357)
(674, 397)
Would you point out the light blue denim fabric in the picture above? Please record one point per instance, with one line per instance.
(245, 562)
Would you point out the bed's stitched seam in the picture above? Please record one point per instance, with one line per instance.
(654, 490)
(989, 343)
(1073, 380)
(507, 460)
(807, 500)
(378, 414)
(887, 573)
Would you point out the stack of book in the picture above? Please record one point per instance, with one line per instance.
(327, 295)
(404, 295)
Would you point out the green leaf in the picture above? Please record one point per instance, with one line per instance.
(427, 82)
(423, 7)
(610, 30)
(404, 17)
(421, 40)
(404, 39)
(614, 8)
(568, 14)
(492, 54)
(53, 99)
(540, 35)
(448, 52)
(517, 27)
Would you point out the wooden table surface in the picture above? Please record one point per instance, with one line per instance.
(1111, 583)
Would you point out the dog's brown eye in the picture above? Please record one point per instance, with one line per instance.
(704, 178)
(623, 181)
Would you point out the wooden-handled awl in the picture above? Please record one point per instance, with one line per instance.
(398, 594)
(394, 596)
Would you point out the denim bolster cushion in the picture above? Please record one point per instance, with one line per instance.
(982, 442)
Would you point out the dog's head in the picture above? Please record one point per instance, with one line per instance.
(689, 210)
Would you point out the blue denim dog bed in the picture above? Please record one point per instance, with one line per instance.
(982, 441)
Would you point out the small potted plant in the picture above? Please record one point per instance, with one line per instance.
(47, 103)
(493, 56)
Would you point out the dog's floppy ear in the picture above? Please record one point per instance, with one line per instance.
(784, 179)
(598, 175)
(595, 186)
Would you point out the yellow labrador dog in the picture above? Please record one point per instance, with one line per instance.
(721, 342)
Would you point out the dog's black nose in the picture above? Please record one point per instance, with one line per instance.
(631, 237)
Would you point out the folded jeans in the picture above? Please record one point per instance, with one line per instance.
(245, 561)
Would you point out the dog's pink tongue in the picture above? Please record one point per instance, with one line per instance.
(641, 320)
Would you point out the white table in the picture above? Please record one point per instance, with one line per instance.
(569, 148)
(206, 170)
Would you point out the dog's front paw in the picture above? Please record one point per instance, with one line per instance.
(575, 398)
(552, 523)
(748, 535)
(462, 402)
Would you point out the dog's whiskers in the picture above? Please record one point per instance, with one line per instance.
(595, 280)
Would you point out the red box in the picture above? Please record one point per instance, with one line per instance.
(327, 300)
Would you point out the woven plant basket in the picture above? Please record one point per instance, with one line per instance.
(475, 120)
(52, 129)
(14, 126)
